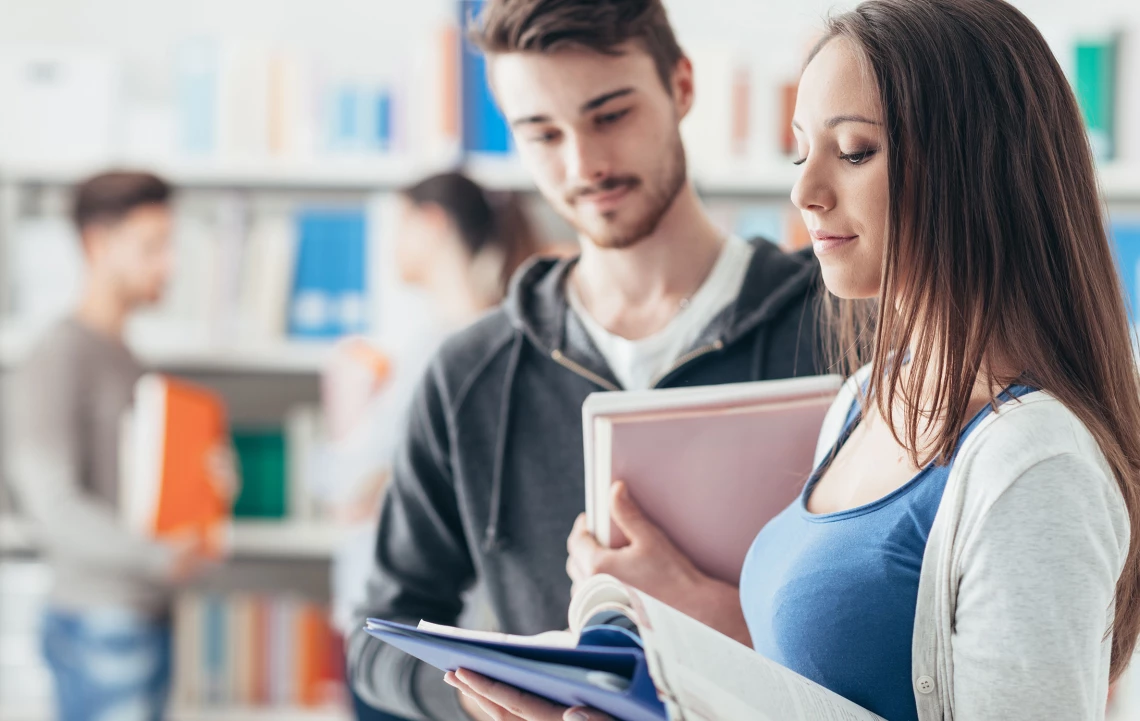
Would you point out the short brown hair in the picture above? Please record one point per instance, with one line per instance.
(109, 197)
(544, 26)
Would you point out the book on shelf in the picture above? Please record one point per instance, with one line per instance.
(172, 485)
(631, 656)
(277, 464)
(738, 455)
(330, 285)
(1096, 84)
(1125, 233)
(60, 105)
(255, 650)
(483, 126)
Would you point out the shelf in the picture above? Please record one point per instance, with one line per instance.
(270, 713)
(360, 174)
(168, 353)
(252, 539)
(287, 539)
(769, 178)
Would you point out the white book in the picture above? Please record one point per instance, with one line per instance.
(699, 674)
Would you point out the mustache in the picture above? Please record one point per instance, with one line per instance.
(614, 182)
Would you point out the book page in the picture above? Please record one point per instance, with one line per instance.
(549, 639)
(706, 676)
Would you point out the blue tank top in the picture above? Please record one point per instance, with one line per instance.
(832, 596)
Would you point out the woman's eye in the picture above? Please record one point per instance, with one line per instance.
(859, 157)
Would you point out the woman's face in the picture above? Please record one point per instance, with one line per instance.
(842, 190)
(423, 234)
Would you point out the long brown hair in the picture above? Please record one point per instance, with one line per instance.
(997, 252)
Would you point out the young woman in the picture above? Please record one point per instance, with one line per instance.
(967, 547)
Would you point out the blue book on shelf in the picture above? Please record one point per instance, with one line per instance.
(215, 648)
(329, 295)
(761, 221)
(1126, 236)
(382, 122)
(607, 670)
(197, 96)
(484, 127)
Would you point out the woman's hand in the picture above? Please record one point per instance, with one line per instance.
(500, 702)
(651, 563)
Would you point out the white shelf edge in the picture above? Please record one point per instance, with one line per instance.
(252, 539)
(268, 713)
(286, 356)
(767, 178)
(206, 713)
(362, 174)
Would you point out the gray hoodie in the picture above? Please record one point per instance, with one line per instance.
(489, 477)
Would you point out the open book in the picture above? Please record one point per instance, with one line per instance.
(709, 465)
(633, 657)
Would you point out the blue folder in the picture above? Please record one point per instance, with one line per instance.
(606, 671)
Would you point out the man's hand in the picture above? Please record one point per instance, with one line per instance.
(224, 467)
(190, 560)
(500, 702)
(653, 564)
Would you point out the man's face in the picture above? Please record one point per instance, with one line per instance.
(599, 134)
(134, 254)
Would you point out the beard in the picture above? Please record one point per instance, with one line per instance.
(614, 231)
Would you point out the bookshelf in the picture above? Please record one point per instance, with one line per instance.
(362, 173)
(167, 353)
(770, 179)
(282, 540)
(270, 713)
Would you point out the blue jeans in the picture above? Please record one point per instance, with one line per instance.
(108, 665)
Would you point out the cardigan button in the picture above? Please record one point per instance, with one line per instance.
(924, 684)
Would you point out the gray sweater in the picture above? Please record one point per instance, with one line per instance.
(1016, 592)
(63, 408)
(488, 479)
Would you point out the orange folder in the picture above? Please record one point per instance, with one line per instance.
(172, 487)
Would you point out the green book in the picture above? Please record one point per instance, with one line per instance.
(261, 453)
(1095, 80)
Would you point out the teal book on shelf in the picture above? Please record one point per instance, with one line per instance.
(262, 458)
(1095, 85)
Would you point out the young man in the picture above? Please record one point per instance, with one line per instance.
(106, 633)
(489, 479)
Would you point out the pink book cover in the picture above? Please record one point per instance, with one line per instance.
(709, 477)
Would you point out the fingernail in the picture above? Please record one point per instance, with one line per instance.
(574, 715)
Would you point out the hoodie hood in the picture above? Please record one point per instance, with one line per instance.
(536, 303)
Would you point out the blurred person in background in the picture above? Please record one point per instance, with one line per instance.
(106, 632)
(459, 245)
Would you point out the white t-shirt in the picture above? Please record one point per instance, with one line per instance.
(637, 364)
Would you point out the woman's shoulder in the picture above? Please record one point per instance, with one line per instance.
(1038, 445)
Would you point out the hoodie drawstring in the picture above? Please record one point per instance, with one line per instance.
(491, 535)
(758, 353)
